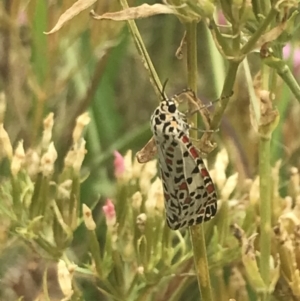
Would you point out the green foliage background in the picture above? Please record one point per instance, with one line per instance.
(94, 66)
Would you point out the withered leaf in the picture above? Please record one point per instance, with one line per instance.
(271, 35)
(70, 13)
(138, 12)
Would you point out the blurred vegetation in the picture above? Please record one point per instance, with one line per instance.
(50, 247)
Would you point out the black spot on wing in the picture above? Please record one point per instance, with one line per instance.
(189, 180)
(157, 121)
(199, 219)
(179, 169)
(170, 155)
(195, 170)
(186, 154)
(192, 194)
(162, 116)
(174, 143)
(178, 179)
(179, 162)
(199, 196)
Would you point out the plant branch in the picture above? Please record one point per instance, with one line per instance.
(197, 231)
(265, 208)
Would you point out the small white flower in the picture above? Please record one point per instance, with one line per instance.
(48, 160)
(5, 145)
(65, 279)
(18, 159)
(81, 122)
(88, 218)
(47, 134)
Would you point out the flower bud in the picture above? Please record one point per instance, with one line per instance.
(18, 159)
(141, 221)
(140, 270)
(48, 160)
(137, 200)
(5, 144)
(110, 213)
(70, 158)
(64, 189)
(64, 278)
(32, 163)
(221, 164)
(119, 164)
(47, 134)
(81, 122)
(88, 218)
(80, 154)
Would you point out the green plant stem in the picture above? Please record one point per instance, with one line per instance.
(191, 39)
(216, 61)
(197, 231)
(95, 251)
(144, 54)
(74, 201)
(286, 74)
(259, 32)
(265, 209)
(16, 191)
(201, 263)
(226, 92)
(222, 104)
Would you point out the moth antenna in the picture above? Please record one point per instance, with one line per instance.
(152, 77)
(164, 88)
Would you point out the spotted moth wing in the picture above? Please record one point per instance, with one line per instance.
(148, 152)
(190, 196)
(201, 203)
(172, 206)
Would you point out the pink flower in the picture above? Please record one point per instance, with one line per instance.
(221, 18)
(119, 164)
(288, 51)
(109, 212)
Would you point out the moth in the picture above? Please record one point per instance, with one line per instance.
(189, 193)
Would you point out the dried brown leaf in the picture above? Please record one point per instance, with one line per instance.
(269, 116)
(271, 35)
(179, 51)
(138, 12)
(70, 13)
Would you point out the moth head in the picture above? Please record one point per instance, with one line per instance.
(168, 106)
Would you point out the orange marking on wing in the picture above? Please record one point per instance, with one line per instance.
(168, 161)
(201, 211)
(187, 200)
(210, 188)
(204, 173)
(193, 152)
(185, 139)
(183, 186)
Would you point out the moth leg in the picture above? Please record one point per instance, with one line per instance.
(204, 131)
(203, 148)
(201, 106)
